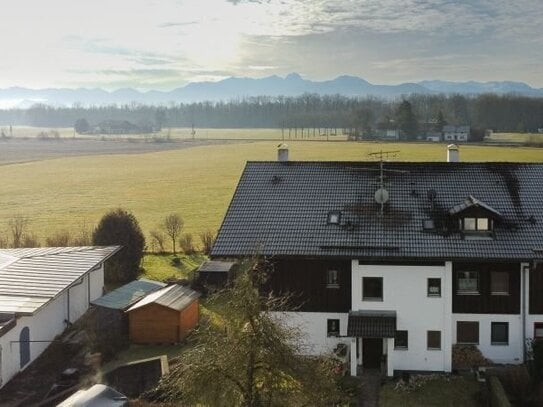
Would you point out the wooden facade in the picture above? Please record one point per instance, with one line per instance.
(485, 302)
(306, 281)
(155, 323)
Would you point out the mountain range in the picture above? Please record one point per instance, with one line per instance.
(234, 87)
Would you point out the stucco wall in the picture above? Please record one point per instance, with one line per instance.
(405, 291)
(314, 326)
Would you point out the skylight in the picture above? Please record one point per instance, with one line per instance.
(334, 217)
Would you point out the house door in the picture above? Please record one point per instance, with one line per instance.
(372, 351)
(24, 346)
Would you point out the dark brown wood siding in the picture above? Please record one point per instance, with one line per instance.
(305, 280)
(485, 302)
(536, 290)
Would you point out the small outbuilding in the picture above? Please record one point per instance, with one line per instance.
(214, 273)
(164, 316)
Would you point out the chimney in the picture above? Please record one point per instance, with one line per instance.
(453, 154)
(282, 152)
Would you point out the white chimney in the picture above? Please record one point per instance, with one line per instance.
(282, 152)
(453, 154)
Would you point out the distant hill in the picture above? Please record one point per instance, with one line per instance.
(232, 88)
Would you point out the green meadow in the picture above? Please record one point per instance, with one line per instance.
(65, 193)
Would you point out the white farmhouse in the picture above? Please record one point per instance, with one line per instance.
(42, 291)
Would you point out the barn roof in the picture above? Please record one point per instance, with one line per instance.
(29, 278)
(123, 297)
(283, 208)
(175, 297)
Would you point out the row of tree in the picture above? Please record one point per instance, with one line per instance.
(117, 227)
(505, 113)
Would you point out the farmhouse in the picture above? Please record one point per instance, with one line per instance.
(42, 291)
(455, 133)
(164, 316)
(398, 260)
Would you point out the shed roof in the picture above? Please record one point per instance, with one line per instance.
(176, 297)
(123, 297)
(32, 277)
(281, 208)
(216, 266)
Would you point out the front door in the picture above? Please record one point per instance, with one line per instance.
(372, 351)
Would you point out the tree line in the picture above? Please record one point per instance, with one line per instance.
(503, 113)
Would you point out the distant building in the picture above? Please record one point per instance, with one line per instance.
(455, 133)
(434, 136)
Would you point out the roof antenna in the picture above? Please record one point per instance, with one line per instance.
(381, 195)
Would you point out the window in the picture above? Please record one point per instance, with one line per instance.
(372, 288)
(433, 339)
(475, 224)
(332, 280)
(538, 330)
(499, 283)
(428, 224)
(434, 287)
(332, 327)
(467, 332)
(334, 217)
(468, 282)
(400, 340)
(499, 334)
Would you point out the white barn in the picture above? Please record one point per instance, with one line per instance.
(42, 291)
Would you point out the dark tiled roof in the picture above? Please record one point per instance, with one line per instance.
(371, 324)
(216, 266)
(280, 209)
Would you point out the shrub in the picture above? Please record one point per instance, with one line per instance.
(498, 398)
(186, 242)
(61, 238)
(119, 227)
(467, 356)
(207, 238)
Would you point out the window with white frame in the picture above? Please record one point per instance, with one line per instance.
(332, 280)
(434, 287)
(467, 332)
(467, 282)
(433, 340)
(332, 327)
(372, 288)
(499, 334)
(401, 340)
(475, 224)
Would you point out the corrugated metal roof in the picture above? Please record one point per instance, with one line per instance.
(35, 276)
(123, 297)
(175, 297)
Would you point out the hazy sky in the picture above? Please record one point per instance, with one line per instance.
(163, 44)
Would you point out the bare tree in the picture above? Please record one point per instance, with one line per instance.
(61, 238)
(157, 240)
(207, 238)
(173, 224)
(30, 240)
(84, 235)
(186, 242)
(17, 227)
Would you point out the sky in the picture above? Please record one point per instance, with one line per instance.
(165, 44)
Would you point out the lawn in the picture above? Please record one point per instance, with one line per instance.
(456, 392)
(66, 193)
(163, 266)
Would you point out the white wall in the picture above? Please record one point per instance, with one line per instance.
(511, 353)
(405, 291)
(314, 326)
(47, 323)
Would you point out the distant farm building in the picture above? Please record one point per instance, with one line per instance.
(122, 127)
(164, 316)
(455, 133)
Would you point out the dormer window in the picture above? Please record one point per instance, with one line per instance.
(475, 224)
(334, 217)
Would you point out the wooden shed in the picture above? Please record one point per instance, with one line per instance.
(164, 316)
(215, 273)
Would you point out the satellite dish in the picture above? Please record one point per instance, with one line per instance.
(381, 196)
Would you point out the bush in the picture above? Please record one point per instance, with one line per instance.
(537, 354)
(516, 382)
(207, 238)
(186, 242)
(119, 227)
(467, 356)
(61, 238)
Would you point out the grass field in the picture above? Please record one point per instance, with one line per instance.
(197, 182)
